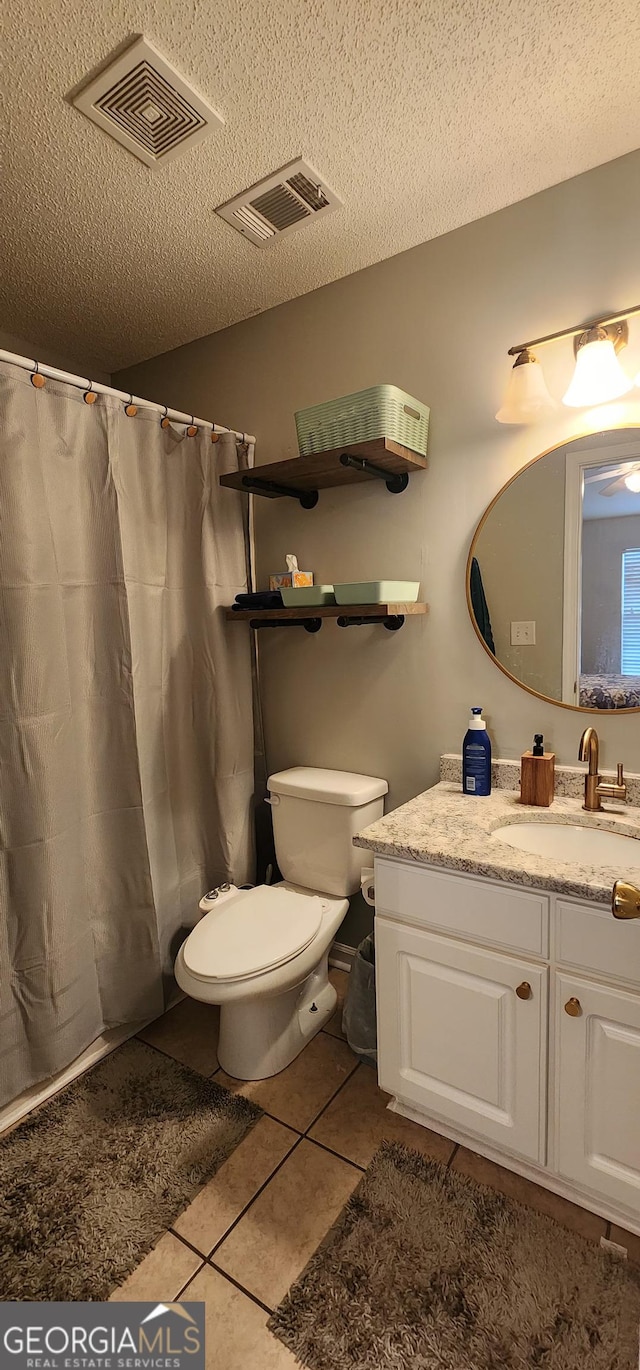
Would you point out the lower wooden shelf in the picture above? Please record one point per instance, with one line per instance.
(309, 617)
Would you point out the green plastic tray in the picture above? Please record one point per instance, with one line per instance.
(307, 594)
(377, 592)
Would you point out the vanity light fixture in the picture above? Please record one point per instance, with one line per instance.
(597, 379)
(632, 482)
(526, 396)
(598, 375)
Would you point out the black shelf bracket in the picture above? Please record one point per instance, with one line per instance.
(391, 621)
(310, 625)
(395, 484)
(308, 498)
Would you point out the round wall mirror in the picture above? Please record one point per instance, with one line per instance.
(553, 576)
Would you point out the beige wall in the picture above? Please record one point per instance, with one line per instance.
(437, 321)
(73, 360)
(603, 542)
(520, 552)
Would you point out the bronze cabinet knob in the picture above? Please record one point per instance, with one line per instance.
(625, 900)
(573, 1007)
(524, 990)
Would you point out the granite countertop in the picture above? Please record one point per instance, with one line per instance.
(444, 827)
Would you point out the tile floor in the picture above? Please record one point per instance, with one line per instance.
(249, 1232)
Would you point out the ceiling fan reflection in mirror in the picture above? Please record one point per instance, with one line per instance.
(619, 478)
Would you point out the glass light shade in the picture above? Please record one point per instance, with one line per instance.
(598, 376)
(632, 482)
(526, 396)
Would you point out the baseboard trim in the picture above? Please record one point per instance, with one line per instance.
(341, 956)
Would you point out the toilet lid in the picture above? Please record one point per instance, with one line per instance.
(255, 930)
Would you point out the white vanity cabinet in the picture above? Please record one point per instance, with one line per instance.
(597, 1105)
(463, 1034)
(509, 1019)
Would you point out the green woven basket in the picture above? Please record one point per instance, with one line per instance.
(382, 411)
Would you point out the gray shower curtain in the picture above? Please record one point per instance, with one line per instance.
(126, 736)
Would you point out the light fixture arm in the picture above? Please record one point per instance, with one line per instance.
(577, 331)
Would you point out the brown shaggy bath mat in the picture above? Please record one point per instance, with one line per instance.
(93, 1179)
(428, 1270)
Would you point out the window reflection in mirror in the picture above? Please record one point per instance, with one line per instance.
(554, 574)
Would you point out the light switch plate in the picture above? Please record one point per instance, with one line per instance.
(523, 634)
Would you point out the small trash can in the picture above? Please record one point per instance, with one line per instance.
(359, 1013)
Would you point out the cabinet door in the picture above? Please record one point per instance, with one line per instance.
(457, 1041)
(598, 1088)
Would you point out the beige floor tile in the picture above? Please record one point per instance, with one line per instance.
(189, 1033)
(236, 1335)
(628, 1239)
(568, 1214)
(339, 979)
(297, 1094)
(278, 1233)
(222, 1200)
(161, 1275)
(358, 1120)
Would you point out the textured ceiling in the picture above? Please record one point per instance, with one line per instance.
(422, 116)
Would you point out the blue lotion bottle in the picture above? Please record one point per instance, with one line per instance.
(476, 756)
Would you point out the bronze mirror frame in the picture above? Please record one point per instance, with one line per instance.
(559, 703)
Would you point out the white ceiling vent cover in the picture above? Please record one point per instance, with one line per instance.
(142, 102)
(280, 204)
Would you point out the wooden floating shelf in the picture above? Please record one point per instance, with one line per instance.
(302, 477)
(310, 616)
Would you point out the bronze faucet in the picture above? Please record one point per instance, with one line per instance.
(595, 788)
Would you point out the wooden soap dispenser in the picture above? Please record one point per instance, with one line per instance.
(537, 775)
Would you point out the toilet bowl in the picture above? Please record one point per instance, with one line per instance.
(262, 954)
(266, 1014)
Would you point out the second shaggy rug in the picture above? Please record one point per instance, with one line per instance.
(427, 1270)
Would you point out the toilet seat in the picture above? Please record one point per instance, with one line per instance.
(251, 932)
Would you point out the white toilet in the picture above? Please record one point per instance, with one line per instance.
(262, 954)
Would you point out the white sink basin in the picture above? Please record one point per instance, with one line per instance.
(568, 842)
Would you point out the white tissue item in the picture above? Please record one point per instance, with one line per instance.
(292, 562)
(367, 886)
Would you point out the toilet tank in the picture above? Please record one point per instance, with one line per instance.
(315, 816)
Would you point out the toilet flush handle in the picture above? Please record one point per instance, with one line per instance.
(273, 800)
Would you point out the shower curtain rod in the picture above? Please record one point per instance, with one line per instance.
(55, 375)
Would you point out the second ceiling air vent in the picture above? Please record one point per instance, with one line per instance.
(281, 203)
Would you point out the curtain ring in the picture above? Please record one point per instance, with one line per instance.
(90, 396)
(165, 422)
(214, 435)
(130, 409)
(191, 430)
(37, 378)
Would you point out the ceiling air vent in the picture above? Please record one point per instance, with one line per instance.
(283, 202)
(144, 104)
